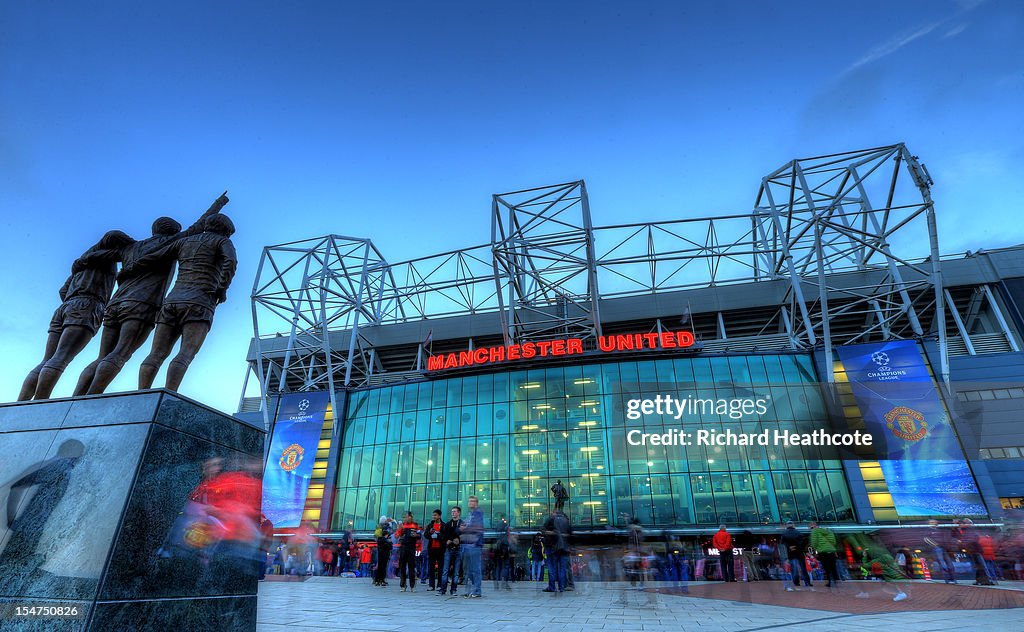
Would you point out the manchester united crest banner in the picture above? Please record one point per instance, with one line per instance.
(300, 421)
(920, 454)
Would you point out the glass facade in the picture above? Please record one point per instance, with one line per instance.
(508, 437)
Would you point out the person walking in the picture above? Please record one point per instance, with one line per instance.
(939, 542)
(967, 537)
(452, 551)
(987, 548)
(723, 542)
(823, 541)
(537, 558)
(795, 546)
(502, 554)
(409, 539)
(471, 535)
(557, 530)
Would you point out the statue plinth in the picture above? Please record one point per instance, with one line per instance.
(114, 504)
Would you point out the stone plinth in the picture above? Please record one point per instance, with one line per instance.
(97, 499)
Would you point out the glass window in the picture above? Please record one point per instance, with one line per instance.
(424, 391)
(703, 499)
(682, 499)
(484, 459)
(453, 422)
(743, 495)
(467, 460)
(408, 426)
(683, 369)
(454, 392)
(452, 460)
(356, 404)
(372, 398)
(702, 372)
(647, 375)
(484, 389)
(420, 456)
(506, 437)
(436, 420)
(610, 377)
(666, 374)
(501, 387)
(662, 501)
(784, 494)
(469, 390)
(484, 419)
(501, 418)
(628, 377)
(840, 496)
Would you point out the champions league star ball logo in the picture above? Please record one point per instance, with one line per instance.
(303, 405)
(291, 457)
(880, 358)
(904, 422)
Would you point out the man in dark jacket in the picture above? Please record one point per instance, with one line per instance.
(408, 538)
(795, 545)
(383, 534)
(940, 543)
(557, 531)
(451, 543)
(967, 537)
(537, 558)
(502, 555)
(435, 549)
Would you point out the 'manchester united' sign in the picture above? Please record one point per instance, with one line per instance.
(558, 348)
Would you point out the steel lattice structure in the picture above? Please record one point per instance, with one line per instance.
(828, 227)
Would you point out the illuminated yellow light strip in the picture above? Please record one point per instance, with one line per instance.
(590, 448)
(531, 504)
(531, 451)
(591, 475)
(530, 385)
(588, 403)
(529, 427)
(592, 502)
(585, 380)
(530, 478)
(588, 423)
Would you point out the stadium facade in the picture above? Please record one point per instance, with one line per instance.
(499, 369)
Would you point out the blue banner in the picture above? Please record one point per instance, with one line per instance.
(300, 420)
(920, 455)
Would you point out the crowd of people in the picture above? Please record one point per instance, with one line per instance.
(447, 555)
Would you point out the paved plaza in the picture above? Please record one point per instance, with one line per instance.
(353, 604)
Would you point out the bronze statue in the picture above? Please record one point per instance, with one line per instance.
(206, 265)
(132, 312)
(561, 495)
(83, 296)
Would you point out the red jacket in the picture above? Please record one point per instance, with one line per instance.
(988, 547)
(435, 543)
(405, 527)
(722, 541)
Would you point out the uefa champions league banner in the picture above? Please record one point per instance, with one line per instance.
(918, 449)
(300, 421)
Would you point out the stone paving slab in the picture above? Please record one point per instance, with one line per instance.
(353, 604)
(862, 597)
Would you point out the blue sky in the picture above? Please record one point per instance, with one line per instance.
(398, 122)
